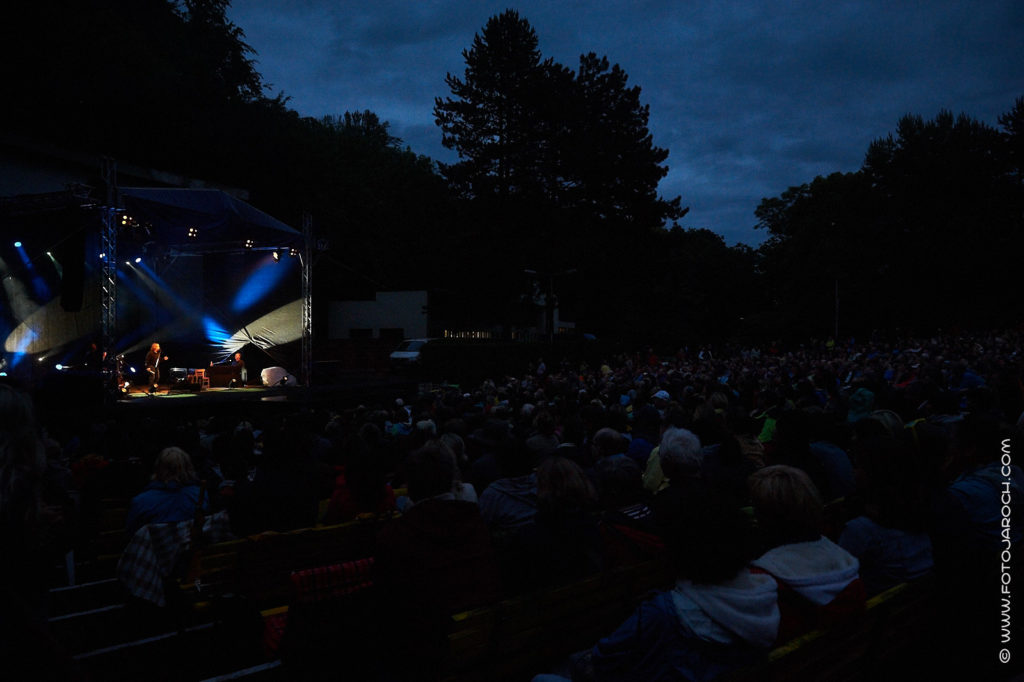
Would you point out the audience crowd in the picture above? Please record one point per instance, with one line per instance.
(784, 487)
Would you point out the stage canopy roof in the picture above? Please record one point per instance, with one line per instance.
(196, 221)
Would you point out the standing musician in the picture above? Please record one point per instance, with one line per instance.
(153, 366)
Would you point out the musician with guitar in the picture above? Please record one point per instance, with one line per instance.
(153, 366)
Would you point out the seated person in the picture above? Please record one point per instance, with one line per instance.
(681, 458)
(238, 365)
(510, 502)
(627, 524)
(171, 496)
(360, 484)
(284, 491)
(719, 616)
(563, 543)
(977, 540)
(433, 561)
(818, 580)
(889, 539)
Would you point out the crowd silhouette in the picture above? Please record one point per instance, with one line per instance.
(782, 488)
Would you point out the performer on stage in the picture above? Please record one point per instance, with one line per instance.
(153, 366)
(238, 365)
(94, 357)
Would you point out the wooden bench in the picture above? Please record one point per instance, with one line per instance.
(260, 566)
(864, 647)
(85, 596)
(519, 637)
(100, 618)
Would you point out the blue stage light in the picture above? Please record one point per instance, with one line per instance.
(215, 333)
(17, 245)
(263, 280)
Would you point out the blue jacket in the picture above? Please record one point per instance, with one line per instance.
(694, 632)
(509, 503)
(161, 502)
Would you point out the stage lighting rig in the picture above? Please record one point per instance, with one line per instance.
(249, 243)
(277, 257)
(193, 233)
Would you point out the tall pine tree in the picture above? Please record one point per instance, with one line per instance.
(531, 129)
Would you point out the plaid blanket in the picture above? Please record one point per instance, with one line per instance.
(151, 555)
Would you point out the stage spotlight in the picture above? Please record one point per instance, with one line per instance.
(132, 370)
(128, 263)
(138, 259)
(277, 257)
(103, 256)
(17, 245)
(193, 233)
(293, 252)
(59, 366)
(248, 243)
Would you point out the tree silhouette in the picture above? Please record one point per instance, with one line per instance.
(492, 122)
(559, 166)
(534, 130)
(922, 236)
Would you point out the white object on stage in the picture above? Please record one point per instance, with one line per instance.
(272, 376)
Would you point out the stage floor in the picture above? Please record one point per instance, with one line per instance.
(359, 390)
(163, 391)
(142, 394)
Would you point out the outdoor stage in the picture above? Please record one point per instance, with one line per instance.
(367, 388)
(198, 271)
(219, 394)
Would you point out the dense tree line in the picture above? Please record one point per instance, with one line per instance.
(554, 194)
(172, 85)
(927, 234)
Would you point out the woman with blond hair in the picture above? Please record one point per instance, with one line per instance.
(171, 496)
(818, 581)
(563, 542)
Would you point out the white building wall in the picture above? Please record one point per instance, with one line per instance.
(405, 310)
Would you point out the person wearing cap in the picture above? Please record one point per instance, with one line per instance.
(660, 400)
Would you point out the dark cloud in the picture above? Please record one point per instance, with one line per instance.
(748, 97)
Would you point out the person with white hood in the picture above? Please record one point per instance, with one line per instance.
(819, 581)
(719, 616)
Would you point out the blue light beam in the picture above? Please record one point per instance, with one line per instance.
(264, 279)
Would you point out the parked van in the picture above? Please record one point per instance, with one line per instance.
(408, 353)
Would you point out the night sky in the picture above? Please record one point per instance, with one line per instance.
(748, 97)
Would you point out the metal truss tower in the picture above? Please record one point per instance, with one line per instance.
(307, 301)
(108, 254)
